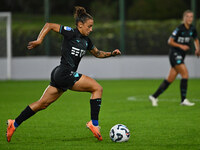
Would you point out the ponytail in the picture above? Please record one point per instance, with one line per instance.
(81, 15)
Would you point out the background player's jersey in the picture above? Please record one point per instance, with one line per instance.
(182, 35)
(74, 47)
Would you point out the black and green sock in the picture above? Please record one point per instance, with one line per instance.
(183, 87)
(164, 85)
(25, 114)
(95, 105)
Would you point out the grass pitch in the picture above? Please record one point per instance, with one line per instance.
(62, 125)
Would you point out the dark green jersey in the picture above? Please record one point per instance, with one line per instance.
(74, 47)
(182, 35)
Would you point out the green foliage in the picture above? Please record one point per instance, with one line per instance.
(156, 9)
(62, 125)
(142, 37)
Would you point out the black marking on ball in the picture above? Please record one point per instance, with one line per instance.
(119, 137)
(127, 133)
(119, 126)
(113, 133)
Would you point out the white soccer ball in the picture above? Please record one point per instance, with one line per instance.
(119, 133)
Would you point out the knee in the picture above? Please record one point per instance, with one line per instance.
(99, 89)
(170, 80)
(185, 76)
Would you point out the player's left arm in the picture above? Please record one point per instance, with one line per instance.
(197, 48)
(101, 54)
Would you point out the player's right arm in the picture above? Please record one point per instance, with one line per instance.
(47, 27)
(172, 43)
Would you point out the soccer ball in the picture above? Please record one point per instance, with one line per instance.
(119, 133)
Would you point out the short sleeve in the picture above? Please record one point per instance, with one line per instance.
(66, 31)
(175, 33)
(90, 45)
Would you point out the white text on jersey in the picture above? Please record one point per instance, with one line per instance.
(77, 52)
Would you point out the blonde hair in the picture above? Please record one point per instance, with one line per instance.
(186, 12)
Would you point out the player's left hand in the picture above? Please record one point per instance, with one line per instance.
(197, 53)
(116, 52)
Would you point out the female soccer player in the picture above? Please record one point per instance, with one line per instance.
(180, 44)
(75, 44)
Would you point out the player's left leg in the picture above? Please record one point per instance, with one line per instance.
(87, 84)
(183, 84)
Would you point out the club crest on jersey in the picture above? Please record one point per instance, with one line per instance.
(67, 28)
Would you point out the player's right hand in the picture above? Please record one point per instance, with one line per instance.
(33, 44)
(184, 47)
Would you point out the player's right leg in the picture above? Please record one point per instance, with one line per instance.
(49, 96)
(87, 84)
(164, 85)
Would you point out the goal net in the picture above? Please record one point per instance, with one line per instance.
(5, 45)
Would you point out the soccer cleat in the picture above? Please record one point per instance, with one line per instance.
(153, 100)
(186, 102)
(10, 129)
(95, 130)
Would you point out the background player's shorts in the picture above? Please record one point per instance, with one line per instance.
(63, 79)
(176, 58)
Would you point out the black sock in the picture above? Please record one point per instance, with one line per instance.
(95, 105)
(25, 114)
(183, 86)
(164, 85)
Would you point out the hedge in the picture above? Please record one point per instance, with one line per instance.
(142, 37)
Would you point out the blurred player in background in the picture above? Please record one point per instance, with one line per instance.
(179, 42)
(75, 44)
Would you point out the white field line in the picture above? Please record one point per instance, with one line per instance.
(145, 98)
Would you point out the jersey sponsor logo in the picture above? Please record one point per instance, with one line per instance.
(183, 40)
(77, 52)
(67, 28)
